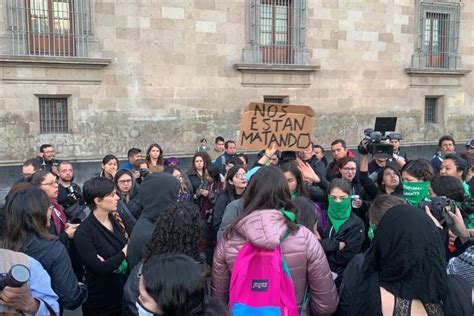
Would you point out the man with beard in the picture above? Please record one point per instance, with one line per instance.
(46, 158)
(69, 193)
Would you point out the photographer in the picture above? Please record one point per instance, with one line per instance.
(47, 158)
(36, 297)
(140, 170)
(69, 194)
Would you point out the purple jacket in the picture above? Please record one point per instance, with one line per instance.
(302, 251)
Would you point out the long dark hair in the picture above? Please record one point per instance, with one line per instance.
(26, 212)
(105, 161)
(177, 231)
(205, 158)
(160, 157)
(229, 176)
(381, 186)
(268, 190)
(175, 283)
(300, 186)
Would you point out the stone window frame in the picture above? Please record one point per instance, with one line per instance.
(53, 120)
(14, 48)
(419, 57)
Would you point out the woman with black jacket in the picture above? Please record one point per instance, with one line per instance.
(235, 184)
(27, 220)
(197, 171)
(127, 190)
(344, 235)
(102, 244)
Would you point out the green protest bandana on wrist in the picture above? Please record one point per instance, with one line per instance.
(288, 214)
(122, 269)
(415, 192)
(339, 212)
(371, 231)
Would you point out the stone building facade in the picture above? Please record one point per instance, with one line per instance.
(100, 76)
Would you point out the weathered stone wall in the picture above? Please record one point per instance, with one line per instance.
(172, 80)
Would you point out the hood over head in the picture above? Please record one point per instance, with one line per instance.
(157, 192)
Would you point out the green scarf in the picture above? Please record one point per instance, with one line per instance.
(339, 212)
(415, 192)
(122, 269)
(371, 231)
(470, 221)
(288, 214)
(467, 192)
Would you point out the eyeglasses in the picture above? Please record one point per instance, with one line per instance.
(350, 169)
(51, 184)
(240, 176)
(125, 181)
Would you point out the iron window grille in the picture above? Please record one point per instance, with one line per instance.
(277, 31)
(438, 35)
(276, 99)
(53, 115)
(50, 27)
(431, 109)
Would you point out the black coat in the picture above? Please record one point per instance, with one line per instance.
(55, 260)
(105, 285)
(195, 180)
(352, 233)
(158, 191)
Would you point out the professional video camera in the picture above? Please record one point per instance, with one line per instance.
(439, 206)
(376, 140)
(16, 277)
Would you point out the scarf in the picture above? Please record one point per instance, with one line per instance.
(415, 192)
(407, 258)
(339, 212)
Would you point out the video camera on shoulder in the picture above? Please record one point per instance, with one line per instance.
(16, 277)
(377, 141)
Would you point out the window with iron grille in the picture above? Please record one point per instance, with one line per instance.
(276, 99)
(49, 27)
(53, 115)
(431, 109)
(277, 31)
(438, 35)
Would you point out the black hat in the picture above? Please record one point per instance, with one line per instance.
(470, 143)
(395, 135)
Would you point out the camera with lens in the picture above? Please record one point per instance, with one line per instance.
(375, 139)
(439, 205)
(16, 277)
(144, 172)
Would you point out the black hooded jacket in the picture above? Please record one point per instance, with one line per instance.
(157, 192)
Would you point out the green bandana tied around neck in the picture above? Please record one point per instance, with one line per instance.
(371, 231)
(122, 269)
(288, 214)
(415, 192)
(339, 212)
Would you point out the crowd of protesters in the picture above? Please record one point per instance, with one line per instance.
(387, 236)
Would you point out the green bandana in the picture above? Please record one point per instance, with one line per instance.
(371, 231)
(288, 214)
(294, 194)
(415, 192)
(470, 221)
(339, 212)
(122, 269)
(467, 192)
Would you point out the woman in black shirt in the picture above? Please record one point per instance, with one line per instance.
(101, 241)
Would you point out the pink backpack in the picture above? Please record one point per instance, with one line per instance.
(261, 284)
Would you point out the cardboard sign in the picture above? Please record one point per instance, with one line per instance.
(287, 126)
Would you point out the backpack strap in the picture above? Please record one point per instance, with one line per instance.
(286, 268)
